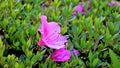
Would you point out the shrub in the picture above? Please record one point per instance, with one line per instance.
(95, 34)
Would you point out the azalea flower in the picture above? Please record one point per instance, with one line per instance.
(51, 36)
(61, 55)
(80, 8)
(111, 3)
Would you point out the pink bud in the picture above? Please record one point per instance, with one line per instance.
(61, 55)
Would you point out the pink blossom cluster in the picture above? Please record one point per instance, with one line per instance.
(52, 38)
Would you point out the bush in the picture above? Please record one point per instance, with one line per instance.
(96, 33)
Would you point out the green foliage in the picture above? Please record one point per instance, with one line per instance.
(115, 60)
(95, 34)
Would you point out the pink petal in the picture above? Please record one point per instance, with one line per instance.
(41, 43)
(43, 29)
(53, 27)
(61, 55)
(48, 28)
(80, 8)
(55, 41)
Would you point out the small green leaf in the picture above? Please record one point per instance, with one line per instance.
(36, 57)
(95, 62)
(114, 58)
(16, 65)
(90, 56)
(111, 27)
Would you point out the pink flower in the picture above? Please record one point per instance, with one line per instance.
(117, 3)
(61, 55)
(111, 3)
(75, 52)
(80, 8)
(51, 36)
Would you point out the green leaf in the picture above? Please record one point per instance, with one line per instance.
(2, 48)
(11, 58)
(64, 29)
(95, 62)
(36, 57)
(90, 56)
(16, 65)
(108, 37)
(83, 41)
(28, 43)
(29, 53)
(115, 60)
(111, 27)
